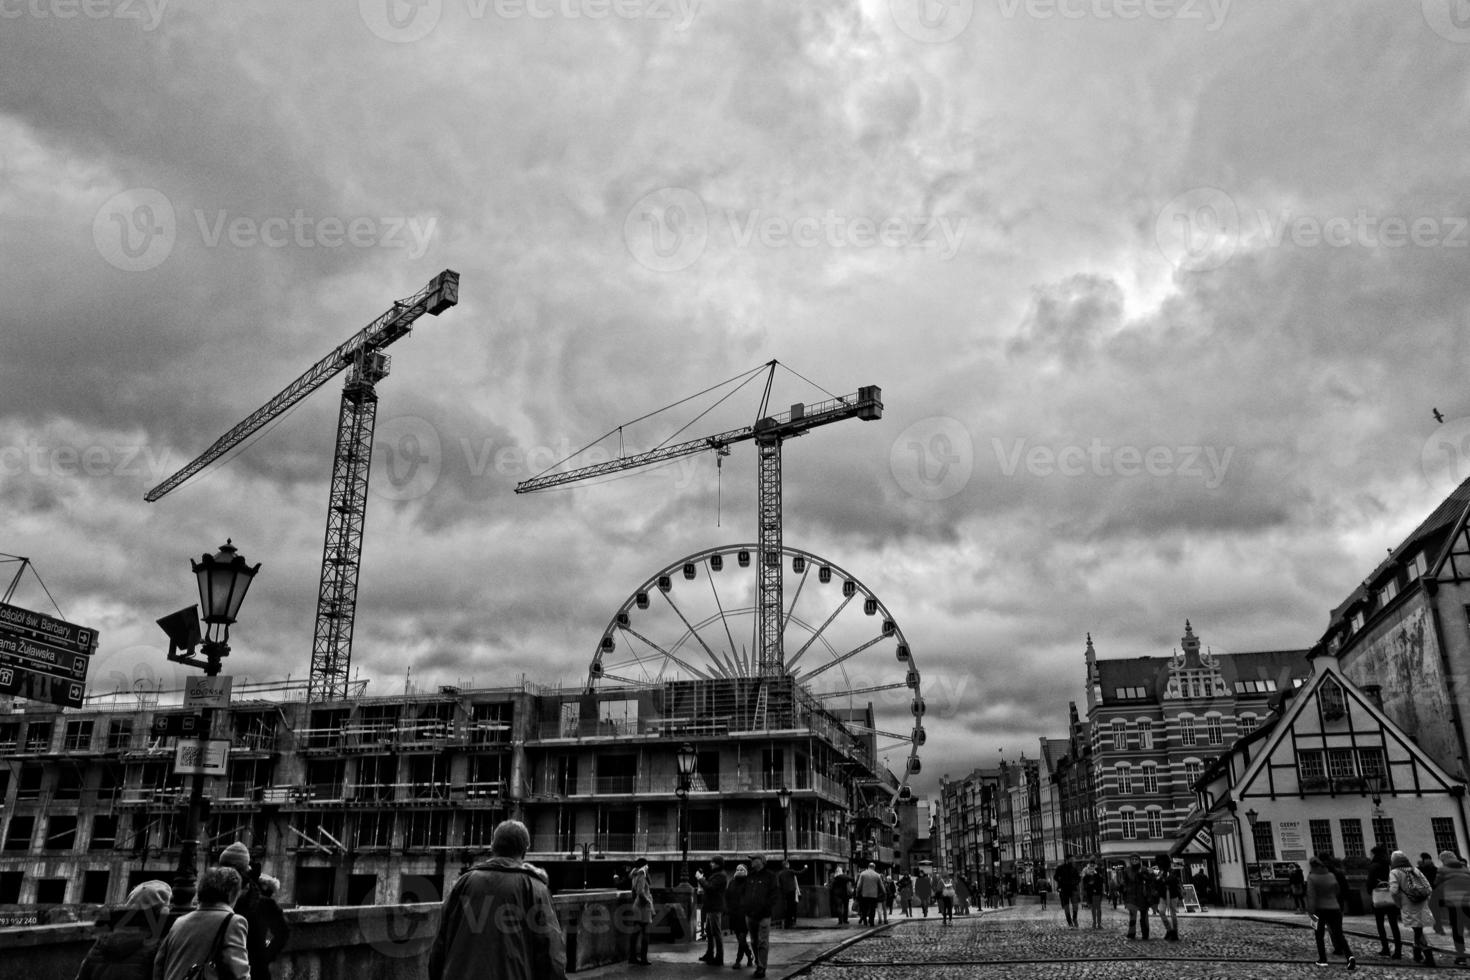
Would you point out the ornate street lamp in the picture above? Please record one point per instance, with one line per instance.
(783, 796)
(224, 578)
(687, 760)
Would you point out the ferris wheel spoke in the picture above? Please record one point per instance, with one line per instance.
(668, 655)
(719, 667)
(807, 677)
(866, 730)
(724, 620)
(786, 620)
(820, 630)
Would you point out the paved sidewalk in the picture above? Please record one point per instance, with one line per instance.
(792, 950)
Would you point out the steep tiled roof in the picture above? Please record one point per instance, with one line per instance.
(1149, 672)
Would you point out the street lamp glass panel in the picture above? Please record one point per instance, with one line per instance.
(223, 581)
(688, 759)
(784, 796)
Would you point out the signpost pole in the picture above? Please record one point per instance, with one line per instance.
(186, 878)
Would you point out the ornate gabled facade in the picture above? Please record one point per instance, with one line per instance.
(1156, 722)
(1406, 631)
(1331, 773)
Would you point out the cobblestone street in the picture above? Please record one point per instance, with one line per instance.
(1027, 941)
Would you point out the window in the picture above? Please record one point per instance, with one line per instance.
(1321, 834)
(1155, 823)
(1246, 723)
(1150, 777)
(1357, 621)
(29, 786)
(1330, 697)
(1352, 838)
(1145, 729)
(1255, 687)
(1444, 834)
(1265, 841)
(1370, 763)
(61, 834)
(1383, 833)
(1340, 764)
(1420, 565)
(1130, 828)
(18, 834)
(1120, 735)
(1125, 779)
(119, 733)
(1212, 730)
(1193, 770)
(104, 833)
(38, 736)
(9, 735)
(1186, 729)
(1129, 693)
(1390, 589)
(78, 736)
(1310, 765)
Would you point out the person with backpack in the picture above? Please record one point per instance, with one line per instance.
(946, 899)
(211, 936)
(1323, 900)
(1411, 890)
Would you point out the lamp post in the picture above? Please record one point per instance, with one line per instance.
(783, 796)
(586, 850)
(224, 578)
(1375, 790)
(687, 760)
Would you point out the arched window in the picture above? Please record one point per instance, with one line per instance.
(1155, 818)
(1130, 824)
(1125, 778)
(1150, 773)
(1145, 729)
(1213, 733)
(1186, 729)
(1120, 735)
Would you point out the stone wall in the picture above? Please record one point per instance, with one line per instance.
(371, 942)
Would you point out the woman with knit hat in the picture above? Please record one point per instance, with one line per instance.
(1452, 893)
(1411, 890)
(126, 950)
(268, 931)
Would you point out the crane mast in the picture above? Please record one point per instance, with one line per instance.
(768, 433)
(362, 357)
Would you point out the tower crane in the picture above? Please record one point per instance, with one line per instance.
(361, 355)
(768, 432)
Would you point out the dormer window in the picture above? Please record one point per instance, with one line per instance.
(1390, 589)
(1419, 566)
(1357, 621)
(1331, 698)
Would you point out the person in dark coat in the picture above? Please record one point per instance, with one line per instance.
(735, 910)
(1452, 894)
(1426, 865)
(1297, 883)
(761, 890)
(1385, 909)
(126, 950)
(1067, 881)
(268, 931)
(840, 893)
(790, 894)
(713, 886)
(1137, 888)
(498, 919)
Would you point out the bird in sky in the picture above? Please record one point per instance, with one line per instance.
(1437, 416)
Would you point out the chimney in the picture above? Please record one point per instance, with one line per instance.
(1374, 693)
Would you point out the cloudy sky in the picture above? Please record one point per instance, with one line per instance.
(1160, 295)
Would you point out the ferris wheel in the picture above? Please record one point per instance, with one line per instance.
(695, 619)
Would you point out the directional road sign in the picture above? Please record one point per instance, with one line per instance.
(43, 658)
(40, 687)
(55, 633)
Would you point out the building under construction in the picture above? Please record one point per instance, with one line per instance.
(381, 799)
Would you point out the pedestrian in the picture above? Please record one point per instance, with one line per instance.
(790, 894)
(125, 951)
(267, 928)
(1171, 895)
(890, 892)
(946, 899)
(1340, 873)
(1115, 885)
(1452, 894)
(906, 894)
(1202, 891)
(212, 935)
(497, 919)
(1067, 881)
(869, 894)
(735, 909)
(1043, 889)
(839, 891)
(1426, 865)
(1138, 895)
(760, 903)
(924, 889)
(1411, 890)
(713, 887)
(1385, 906)
(1297, 884)
(642, 913)
(1094, 889)
(962, 892)
(1322, 899)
